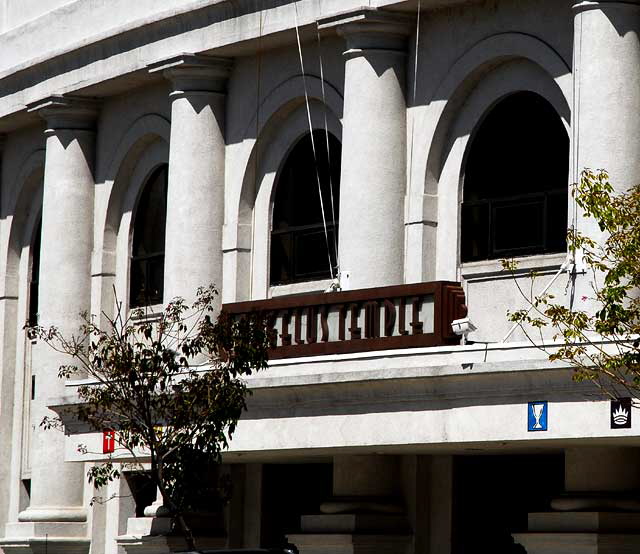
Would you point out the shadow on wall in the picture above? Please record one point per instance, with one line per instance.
(421, 395)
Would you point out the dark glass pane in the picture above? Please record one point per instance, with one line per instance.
(35, 276)
(475, 232)
(518, 226)
(311, 254)
(280, 258)
(333, 245)
(147, 277)
(151, 214)
(298, 211)
(520, 149)
(137, 289)
(557, 219)
(155, 278)
(147, 261)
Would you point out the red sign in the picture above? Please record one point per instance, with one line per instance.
(108, 441)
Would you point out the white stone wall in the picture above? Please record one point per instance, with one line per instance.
(462, 60)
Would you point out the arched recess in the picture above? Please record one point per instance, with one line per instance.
(143, 148)
(23, 216)
(283, 121)
(25, 212)
(494, 68)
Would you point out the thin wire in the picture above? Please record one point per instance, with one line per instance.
(257, 156)
(415, 87)
(577, 98)
(562, 269)
(413, 103)
(326, 132)
(313, 143)
(415, 64)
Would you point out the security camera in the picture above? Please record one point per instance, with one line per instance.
(463, 327)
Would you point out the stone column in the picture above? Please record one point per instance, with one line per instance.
(373, 179)
(57, 510)
(606, 106)
(195, 202)
(606, 111)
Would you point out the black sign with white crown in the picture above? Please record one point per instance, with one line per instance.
(621, 413)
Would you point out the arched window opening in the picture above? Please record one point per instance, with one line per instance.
(34, 276)
(147, 254)
(515, 184)
(299, 250)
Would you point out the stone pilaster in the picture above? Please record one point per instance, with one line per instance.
(373, 179)
(55, 520)
(195, 203)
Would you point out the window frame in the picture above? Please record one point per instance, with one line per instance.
(469, 232)
(143, 261)
(298, 232)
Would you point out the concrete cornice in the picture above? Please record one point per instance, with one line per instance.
(66, 112)
(195, 72)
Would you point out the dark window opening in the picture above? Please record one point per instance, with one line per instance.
(33, 387)
(515, 184)
(299, 250)
(34, 279)
(147, 256)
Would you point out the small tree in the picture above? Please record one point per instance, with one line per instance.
(170, 387)
(602, 342)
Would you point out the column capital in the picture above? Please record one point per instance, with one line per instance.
(66, 112)
(370, 29)
(195, 72)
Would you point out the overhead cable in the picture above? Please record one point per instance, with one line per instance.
(313, 142)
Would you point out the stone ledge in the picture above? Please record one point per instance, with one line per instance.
(577, 522)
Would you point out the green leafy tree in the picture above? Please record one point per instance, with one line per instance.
(602, 341)
(171, 388)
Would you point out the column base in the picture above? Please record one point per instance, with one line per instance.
(581, 533)
(350, 544)
(355, 524)
(367, 533)
(578, 543)
(45, 538)
(152, 535)
(166, 544)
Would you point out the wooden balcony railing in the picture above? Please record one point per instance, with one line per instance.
(403, 316)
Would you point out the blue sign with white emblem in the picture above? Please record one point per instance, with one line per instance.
(537, 416)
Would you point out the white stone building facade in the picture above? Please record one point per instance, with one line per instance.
(113, 112)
